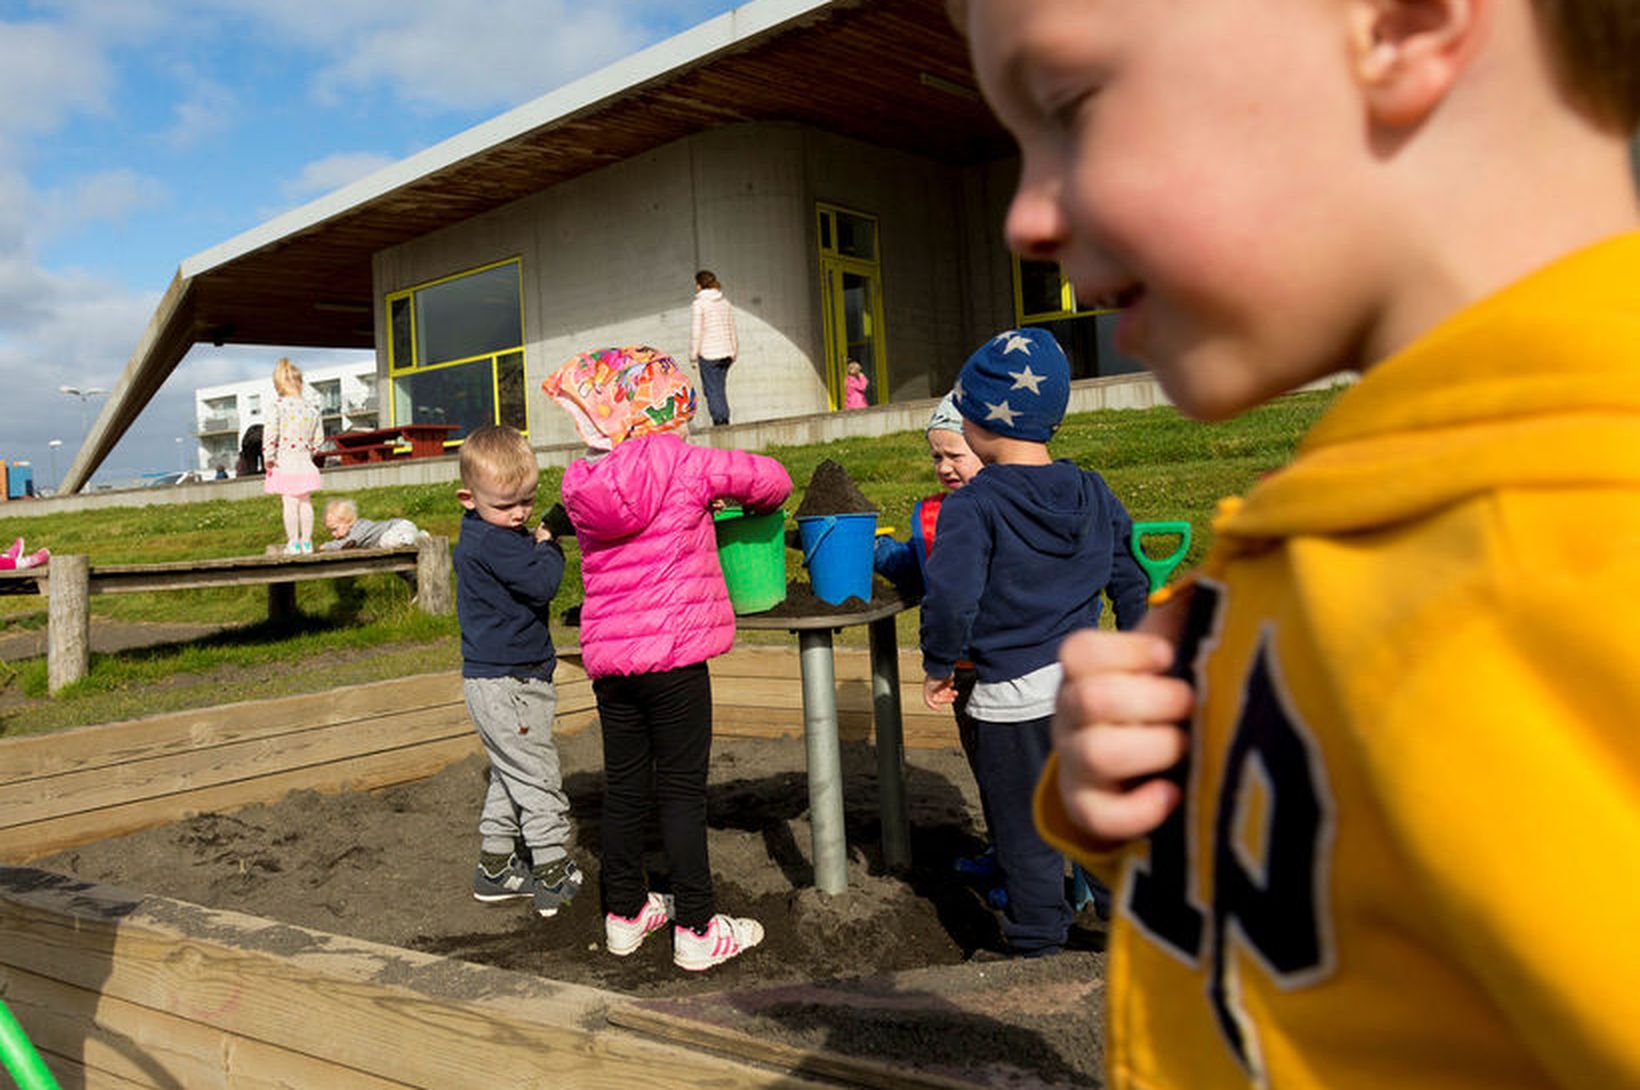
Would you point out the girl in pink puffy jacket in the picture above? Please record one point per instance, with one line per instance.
(655, 610)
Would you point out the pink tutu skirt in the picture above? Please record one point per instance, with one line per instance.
(287, 482)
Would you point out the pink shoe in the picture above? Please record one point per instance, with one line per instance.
(34, 559)
(14, 552)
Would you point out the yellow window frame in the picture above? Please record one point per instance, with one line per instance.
(394, 369)
(393, 366)
(1068, 307)
(833, 263)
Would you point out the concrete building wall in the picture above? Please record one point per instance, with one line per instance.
(989, 188)
(752, 228)
(609, 259)
(915, 202)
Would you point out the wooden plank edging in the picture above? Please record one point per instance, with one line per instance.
(403, 1017)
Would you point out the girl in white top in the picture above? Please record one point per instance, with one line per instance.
(290, 437)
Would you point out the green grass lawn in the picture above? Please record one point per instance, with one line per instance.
(1161, 465)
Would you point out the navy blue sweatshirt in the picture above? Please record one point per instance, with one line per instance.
(505, 581)
(1023, 553)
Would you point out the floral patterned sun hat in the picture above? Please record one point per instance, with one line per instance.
(616, 394)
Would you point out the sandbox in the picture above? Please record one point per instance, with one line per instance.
(126, 990)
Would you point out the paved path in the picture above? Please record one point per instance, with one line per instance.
(106, 636)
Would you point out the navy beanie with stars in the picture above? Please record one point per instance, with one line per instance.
(1016, 384)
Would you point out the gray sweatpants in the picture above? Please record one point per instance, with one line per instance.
(514, 718)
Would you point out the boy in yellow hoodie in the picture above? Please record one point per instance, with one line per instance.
(1367, 785)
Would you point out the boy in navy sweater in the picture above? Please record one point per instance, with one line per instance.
(1026, 548)
(506, 576)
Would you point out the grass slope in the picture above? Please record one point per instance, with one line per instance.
(1161, 465)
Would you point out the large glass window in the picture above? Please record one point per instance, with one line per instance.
(456, 351)
(1044, 298)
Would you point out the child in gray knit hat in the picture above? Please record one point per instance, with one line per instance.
(901, 562)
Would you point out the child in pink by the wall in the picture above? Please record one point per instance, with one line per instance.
(855, 383)
(656, 609)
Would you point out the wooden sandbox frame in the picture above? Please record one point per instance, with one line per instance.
(127, 991)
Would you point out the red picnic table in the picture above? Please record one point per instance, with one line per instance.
(380, 444)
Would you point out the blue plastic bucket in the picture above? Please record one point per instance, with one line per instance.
(837, 551)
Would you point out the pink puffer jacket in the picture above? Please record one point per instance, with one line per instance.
(655, 598)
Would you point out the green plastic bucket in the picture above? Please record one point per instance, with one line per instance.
(752, 552)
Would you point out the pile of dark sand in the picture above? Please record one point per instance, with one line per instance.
(832, 491)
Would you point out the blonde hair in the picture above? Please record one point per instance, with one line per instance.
(499, 455)
(344, 506)
(1591, 46)
(287, 378)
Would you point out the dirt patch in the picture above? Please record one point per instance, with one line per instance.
(106, 637)
(832, 491)
(395, 866)
(801, 601)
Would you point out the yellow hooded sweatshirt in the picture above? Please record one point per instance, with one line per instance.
(1409, 850)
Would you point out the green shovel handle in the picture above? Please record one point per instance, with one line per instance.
(24, 1064)
(1159, 568)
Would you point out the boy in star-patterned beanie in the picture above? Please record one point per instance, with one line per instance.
(1026, 549)
(1016, 384)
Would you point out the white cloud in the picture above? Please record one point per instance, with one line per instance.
(511, 52)
(207, 111)
(109, 196)
(443, 55)
(58, 329)
(78, 59)
(332, 172)
(51, 72)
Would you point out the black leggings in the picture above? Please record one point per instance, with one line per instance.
(657, 732)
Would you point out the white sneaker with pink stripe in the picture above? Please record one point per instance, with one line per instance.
(725, 937)
(622, 935)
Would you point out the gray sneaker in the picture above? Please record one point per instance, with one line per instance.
(556, 884)
(513, 881)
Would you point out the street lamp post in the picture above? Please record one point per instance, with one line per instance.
(84, 394)
(54, 444)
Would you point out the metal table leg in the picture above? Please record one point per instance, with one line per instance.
(825, 760)
(885, 710)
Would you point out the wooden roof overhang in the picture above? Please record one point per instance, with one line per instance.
(888, 72)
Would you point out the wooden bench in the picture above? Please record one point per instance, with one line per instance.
(69, 581)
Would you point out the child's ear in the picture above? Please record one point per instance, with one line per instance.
(1408, 53)
(465, 497)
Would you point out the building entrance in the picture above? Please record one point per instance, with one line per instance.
(851, 301)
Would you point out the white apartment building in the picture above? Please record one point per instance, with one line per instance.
(346, 394)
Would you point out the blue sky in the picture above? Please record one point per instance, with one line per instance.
(136, 133)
